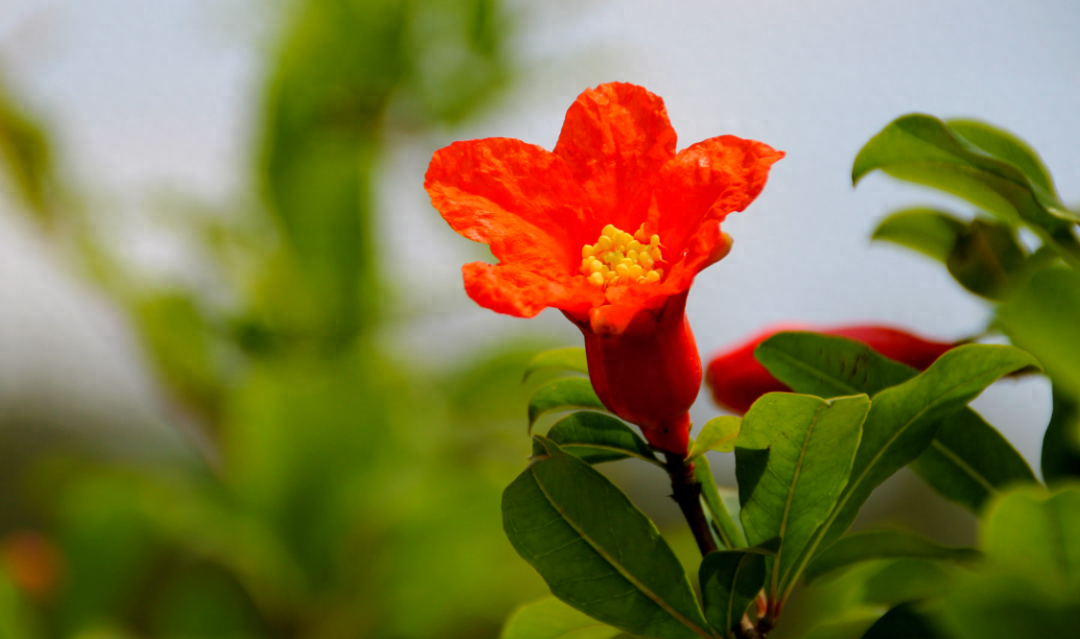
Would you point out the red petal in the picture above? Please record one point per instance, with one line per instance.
(700, 186)
(614, 140)
(517, 291)
(516, 197)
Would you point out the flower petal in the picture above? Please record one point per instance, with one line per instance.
(518, 198)
(700, 186)
(614, 140)
(518, 291)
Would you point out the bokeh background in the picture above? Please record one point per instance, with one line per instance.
(242, 393)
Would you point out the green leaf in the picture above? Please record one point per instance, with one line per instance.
(968, 461)
(731, 580)
(1007, 147)
(811, 445)
(27, 154)
(552, 619)
(560, 395)
(902, 622)
(596, 438)
(987, 259)
(730, 533)
(1061, 443)
(928, 231)
(1042, 319)
(883, 544)
(922, 149)
(596, 551)
(902, 423)
(1036, 533)
(828, 365)
(563, 359)
(717, 434)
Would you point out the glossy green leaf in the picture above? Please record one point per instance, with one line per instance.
(727, 528)
(1036, 533)
(560, 395)
(1005, 146)
(828, 365)
(787, 493)
(922, 149)
(562, 359)
(928, 231)
(903, 622)
(987, 259)
(1042, 319)
(596, 551)
(552, 619)
(968, 461)
(596, 438)
(1061, 443)
(902, 423)
(719, 434)
(883, 544)
(731, 580)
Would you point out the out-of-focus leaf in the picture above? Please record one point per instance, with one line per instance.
(968, 461)
(552, 619)
(1061, 443)
(883, 544)
(177, 334)
(1036, 533)
(929, 231)
(457, 55)
(730, 580)
(902, 423)
(987, 259)
(1007, 606)
(324, 108)
(596, 551)
(560, 395)
(719, 434)
(1005, 146)
(902, 622)
(811, 445)
(1042, 319)
(25, 149)
(922, 149)
(563, 359)
(727, 528)
(596, 438)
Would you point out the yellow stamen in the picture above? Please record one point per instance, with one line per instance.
(619, 258)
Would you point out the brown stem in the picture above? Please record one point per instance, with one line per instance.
(686, 491)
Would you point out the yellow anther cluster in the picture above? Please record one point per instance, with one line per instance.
(621, 258)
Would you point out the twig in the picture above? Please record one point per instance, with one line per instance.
(686, 491)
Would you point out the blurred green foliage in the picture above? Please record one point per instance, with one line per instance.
(340, 493)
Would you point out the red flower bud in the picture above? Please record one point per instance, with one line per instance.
(650, 373)
(737, 379)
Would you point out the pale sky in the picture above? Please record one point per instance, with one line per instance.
(146, 97)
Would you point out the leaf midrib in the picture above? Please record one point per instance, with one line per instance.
(618, 567)
(964, 466)
(854, 485)
(775, 578)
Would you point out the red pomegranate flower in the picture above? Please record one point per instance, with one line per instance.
(610, 228)
(737, 379)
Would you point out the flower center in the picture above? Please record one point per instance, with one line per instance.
(621, 258)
